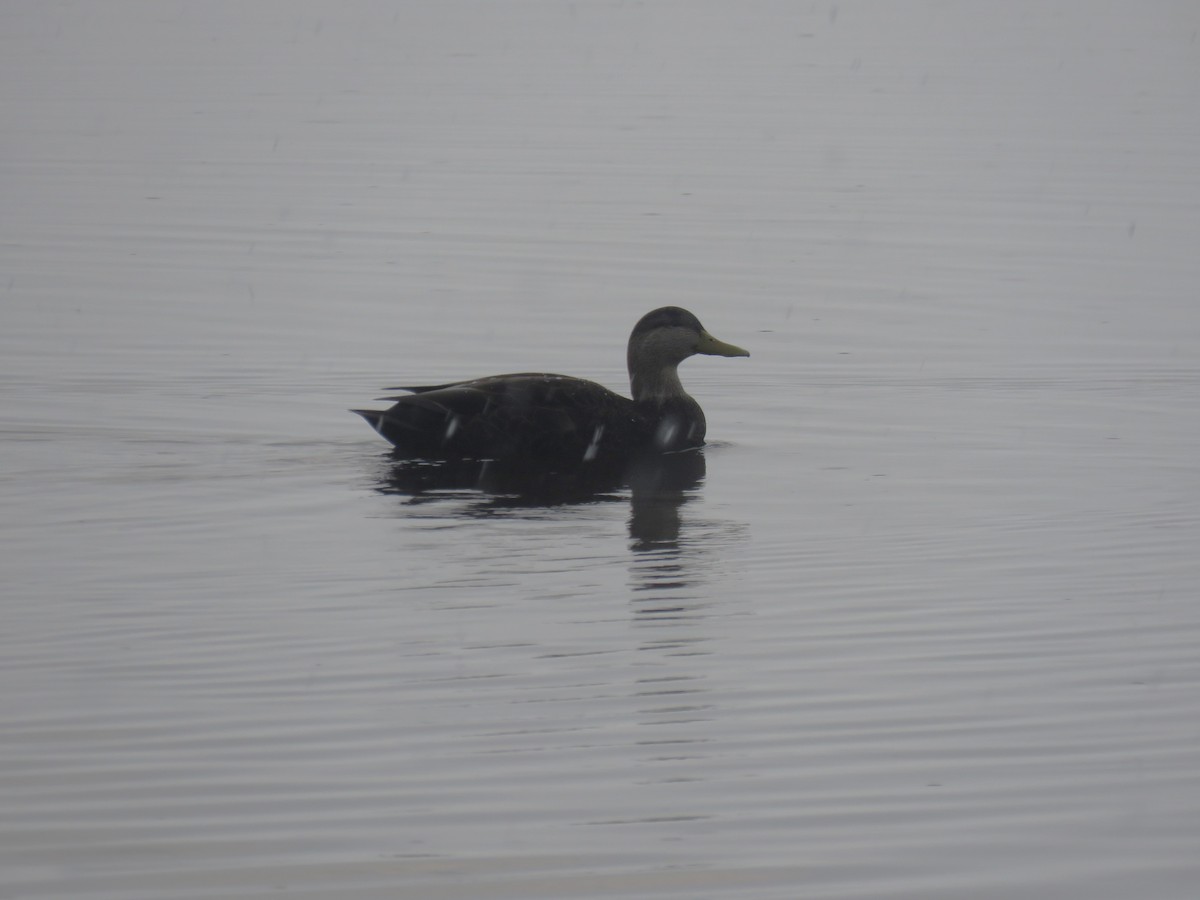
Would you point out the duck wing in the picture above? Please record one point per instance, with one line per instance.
(525, 417)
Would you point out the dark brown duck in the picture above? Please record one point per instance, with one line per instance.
(531, 417)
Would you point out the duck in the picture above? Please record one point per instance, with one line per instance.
(535, 418)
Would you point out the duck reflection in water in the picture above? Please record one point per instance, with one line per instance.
(658, 486)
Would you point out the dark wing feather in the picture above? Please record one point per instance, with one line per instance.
(523, 417)
(426, 388)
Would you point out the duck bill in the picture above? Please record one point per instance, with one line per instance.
(710, 346)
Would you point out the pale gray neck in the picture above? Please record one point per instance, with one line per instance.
(656, 384)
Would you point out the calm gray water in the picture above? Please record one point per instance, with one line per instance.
(921, 622)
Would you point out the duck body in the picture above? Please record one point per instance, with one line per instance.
(538, 417)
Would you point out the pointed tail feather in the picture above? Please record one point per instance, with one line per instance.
(374, 418)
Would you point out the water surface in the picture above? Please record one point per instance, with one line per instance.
(919, 622)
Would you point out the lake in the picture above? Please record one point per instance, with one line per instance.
(920, 621)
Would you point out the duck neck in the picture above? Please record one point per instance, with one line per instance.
(657, 385)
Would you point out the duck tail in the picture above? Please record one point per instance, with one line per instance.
(374, 417)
